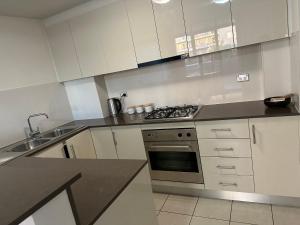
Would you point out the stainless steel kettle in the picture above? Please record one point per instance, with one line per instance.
(114, 106)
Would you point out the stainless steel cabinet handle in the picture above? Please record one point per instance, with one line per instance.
(254, 134)
(226, 167)
(73, 151)
(228, 184)
(221, 130)
(170, 146)
(114, 138)
(224, 149)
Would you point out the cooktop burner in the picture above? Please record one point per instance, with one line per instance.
(177, 112)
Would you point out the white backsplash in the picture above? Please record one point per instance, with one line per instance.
(18, 104)
(209, 79)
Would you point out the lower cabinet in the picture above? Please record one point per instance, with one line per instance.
(56, 151)
(134, 206)
(276, 155)
(81, 146)
(129, 142)
(104, 143)
(57, 211)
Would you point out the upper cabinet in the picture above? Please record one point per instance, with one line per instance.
(143, 28)
(258, 21)
(103, 40)
(63, 51)
(208, 26)
(170, 28)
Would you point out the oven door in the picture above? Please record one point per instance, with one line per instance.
(177, 161)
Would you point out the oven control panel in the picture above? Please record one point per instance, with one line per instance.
(184, 134)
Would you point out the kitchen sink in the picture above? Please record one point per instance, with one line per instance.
(57, 132)
(28, 145)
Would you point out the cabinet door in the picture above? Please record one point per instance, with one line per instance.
(116, 36)
(87, 34)
(63, 51)
(129, 142)
(104, 143)
(56, 151)
(258, 21)
(276, 160)
(81, 146)
(208, 26)
(170, 28)
(142, 23)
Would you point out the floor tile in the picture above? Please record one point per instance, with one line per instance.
(207, 221)
(180, 204)
(165, 218)
(251, 213)
(156, 212)
(286, 215)
(159, 200)
(235, 223)
(213, 208)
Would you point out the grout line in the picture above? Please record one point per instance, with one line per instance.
(194, 210)
(272, 215)
(164, 203)
(230, 211)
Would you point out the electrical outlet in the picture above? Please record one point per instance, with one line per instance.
(124, 94)
(243, 77)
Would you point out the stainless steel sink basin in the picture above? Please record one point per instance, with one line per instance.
(28, 145)
(58, 132)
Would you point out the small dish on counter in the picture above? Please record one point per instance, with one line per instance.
(139, 109)
(149, 108)
(131, 110)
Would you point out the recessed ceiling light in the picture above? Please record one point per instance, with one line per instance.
(220, 1)
(161, 1)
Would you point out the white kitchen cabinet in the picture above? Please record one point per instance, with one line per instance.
(117, 39)
(56, 151)
(87, 34)
(104, 143)
(63, 51)
(208, 25)
(81, 146)
(143, 28)
(170, 28)
(276, 155)
(134, 206)
(129, 142)
(258, 21)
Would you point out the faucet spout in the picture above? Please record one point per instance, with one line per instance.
(33, 133)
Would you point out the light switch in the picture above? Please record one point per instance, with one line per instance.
(243, 77)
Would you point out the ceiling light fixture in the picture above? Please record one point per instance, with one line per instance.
(161, 1)
(220, 1)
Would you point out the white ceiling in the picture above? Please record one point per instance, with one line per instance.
(38, 9)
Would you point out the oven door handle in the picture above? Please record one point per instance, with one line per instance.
(155, 147)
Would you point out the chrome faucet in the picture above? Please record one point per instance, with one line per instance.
(34, 133)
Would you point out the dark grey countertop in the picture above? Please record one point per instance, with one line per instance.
(101, 182)
(25, 190)
(239, 110)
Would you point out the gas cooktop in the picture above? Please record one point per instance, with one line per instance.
(174, 113)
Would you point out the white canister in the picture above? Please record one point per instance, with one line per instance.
(149, 108)
(139, 109)
(131, 110)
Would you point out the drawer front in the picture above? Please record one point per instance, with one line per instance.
(227, 166)
(225, 147)
(229, 183)
(223, 129)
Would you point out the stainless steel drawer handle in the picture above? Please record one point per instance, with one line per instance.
(228, 184)
(224, 149)
(226, 167)
(221, 130)
(170, 146)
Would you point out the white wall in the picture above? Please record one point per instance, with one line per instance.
(19, 103)
(84, 99)
(25, 58)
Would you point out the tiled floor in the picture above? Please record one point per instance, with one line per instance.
(182, 210)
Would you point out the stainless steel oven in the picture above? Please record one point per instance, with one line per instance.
(173, 155)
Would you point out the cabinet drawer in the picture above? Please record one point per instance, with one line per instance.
(223, 129)
(227, 166)
(225, 147)
(229, 183)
